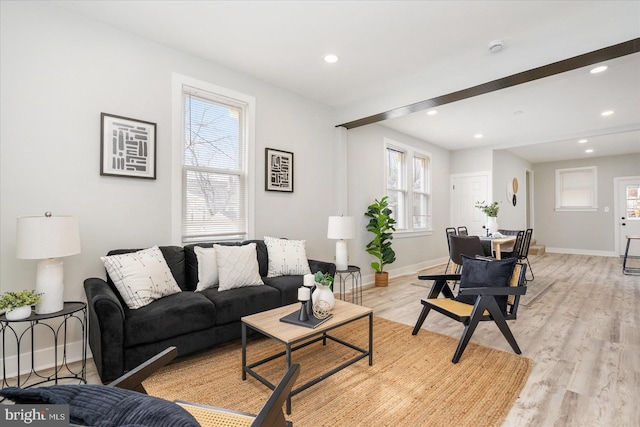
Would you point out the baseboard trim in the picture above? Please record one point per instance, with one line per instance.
(369, 279)
(581, 252)
(43, 359)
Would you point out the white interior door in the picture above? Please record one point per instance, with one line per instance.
(466, 190)
(628, 213)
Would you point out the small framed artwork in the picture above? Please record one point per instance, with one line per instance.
(278, 170)
(127, 147)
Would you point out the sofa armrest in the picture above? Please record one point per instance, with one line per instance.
(106, 329)
(325, 267)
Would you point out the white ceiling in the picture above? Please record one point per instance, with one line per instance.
(393, 53)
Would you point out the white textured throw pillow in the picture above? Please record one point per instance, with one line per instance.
(286, 257)
(141, 277)
(207, 268)
(237, 266)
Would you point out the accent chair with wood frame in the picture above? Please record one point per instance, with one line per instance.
(91, 404)
(489, 290)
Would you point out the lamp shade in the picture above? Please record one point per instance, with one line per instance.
(341, 227)
(41, 237)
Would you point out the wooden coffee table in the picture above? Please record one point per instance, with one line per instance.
(294, 337)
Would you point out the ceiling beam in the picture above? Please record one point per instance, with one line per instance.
(597, 56)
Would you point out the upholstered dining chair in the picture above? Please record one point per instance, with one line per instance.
(489, 291)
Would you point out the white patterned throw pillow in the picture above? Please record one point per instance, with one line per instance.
(286, 257)
(141, 277)
(237, 266)
(207, 268)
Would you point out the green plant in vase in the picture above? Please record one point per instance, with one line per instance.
(18, 304)
(382, 225)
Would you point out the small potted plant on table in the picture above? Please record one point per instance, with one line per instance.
(18, 304)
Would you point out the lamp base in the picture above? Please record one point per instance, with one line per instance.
(49, 283)
(341, 255)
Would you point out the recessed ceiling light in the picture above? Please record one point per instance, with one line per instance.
(589, 150)
(582, 141)
(478, 135)
(599, 69)
(331, 58)
(432, 112)
(607, 113)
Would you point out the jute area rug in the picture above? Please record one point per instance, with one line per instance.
(412, 381)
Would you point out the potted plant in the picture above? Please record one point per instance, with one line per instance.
(381, 224)
(324, 286)
(491, 211)
(18, 304)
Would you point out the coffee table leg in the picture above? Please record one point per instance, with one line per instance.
(244, 351)
(288, 358)
(370, 339)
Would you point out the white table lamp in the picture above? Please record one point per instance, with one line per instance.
(341, 228)
(48, 238)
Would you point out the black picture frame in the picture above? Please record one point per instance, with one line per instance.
(278, 167)
(127, 147)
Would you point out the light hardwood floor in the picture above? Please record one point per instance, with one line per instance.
(579, 323)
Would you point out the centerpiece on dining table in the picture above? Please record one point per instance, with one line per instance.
(491, 211)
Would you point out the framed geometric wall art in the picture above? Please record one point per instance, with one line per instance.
(278, 170)
(127, 147)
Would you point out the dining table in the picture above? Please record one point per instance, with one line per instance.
(494, 244)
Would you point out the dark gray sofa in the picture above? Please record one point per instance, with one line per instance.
(120, 338)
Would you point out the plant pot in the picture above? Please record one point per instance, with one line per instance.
(382, 279)
(324, 293)
(19, 313)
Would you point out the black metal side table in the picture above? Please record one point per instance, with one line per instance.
(352, 272)
(71, 312)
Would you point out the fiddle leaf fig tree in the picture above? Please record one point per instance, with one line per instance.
(381, 224)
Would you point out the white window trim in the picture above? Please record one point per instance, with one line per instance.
(409, 153)
(177, 152)
(594, 184)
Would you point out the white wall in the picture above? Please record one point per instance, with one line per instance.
(580, 232)
(366, 183)
(59, 71)
(471, 160)
(506, 167)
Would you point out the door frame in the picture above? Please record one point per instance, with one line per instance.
(616, 210)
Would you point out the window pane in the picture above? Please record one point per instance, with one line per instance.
(420, 215)
(419, 168)
(396, 203)
(576, 188)
(633, 201)
(213, 133)
(214, 204)
(394, 168)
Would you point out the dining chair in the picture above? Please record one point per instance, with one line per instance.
(449, 231)
(462, 245)
(523, 254)
(516, 248)
(462, 231)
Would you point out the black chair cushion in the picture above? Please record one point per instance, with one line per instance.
(102, 406)
(169, 317)
(235, 303)
(480, 273)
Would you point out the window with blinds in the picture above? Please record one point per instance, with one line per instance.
(577, 189)
(214, 167)
(408, 186)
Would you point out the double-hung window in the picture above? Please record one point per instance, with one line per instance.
(408, 186)
(215, 173)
